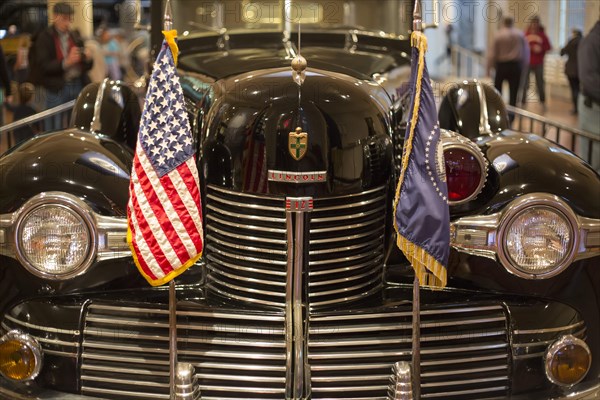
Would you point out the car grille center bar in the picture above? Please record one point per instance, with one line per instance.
(296, 313)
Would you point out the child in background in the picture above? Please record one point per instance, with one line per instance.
(24, 110)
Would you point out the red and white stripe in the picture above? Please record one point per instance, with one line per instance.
(165, 220)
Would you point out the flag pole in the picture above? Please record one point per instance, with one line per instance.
(167, 26)
(416, 305)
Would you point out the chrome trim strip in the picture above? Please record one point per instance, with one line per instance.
(484, 116)
(145, 395)
(244, 258)
(249, 206)
(245, 278)
(246, 195)
(424, 338)
(345, 228)
(242, 268)
(135, 371)
(401, 326)
(395, 353)
(45, 329)
(465, 392)
(246, 237)
(404, 313)
(245, 216)
(337, 250)
(244, 226)
(96, 123)
(349, 278)
(243, 378)
(360, 256)
(212, 314)
(128, 382)
(544, 343)
(360, 295)
(547, 330)
(465, 381)
(359, 366)
(246, 289)
(371, 263)
(245, 248)
(362, 203)
(350, 237)
(243, 298)
(244, 389)
(346, 216)
(345, 289)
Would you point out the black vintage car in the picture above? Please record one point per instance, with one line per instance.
(301, 292)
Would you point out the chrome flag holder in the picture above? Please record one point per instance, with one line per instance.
(416, 302)
(167, 26)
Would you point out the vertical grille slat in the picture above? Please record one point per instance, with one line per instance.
(466, 344)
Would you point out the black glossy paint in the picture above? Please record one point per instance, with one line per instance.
(119, 111)
(252, 115)
(89, 166)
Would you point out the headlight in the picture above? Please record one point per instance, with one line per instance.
(538, 237)
(20, 356)
(54, 236)
(568, 360)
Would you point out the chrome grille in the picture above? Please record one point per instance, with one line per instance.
(237, 354)
(464, 352)
(55, 341)
(246, 246)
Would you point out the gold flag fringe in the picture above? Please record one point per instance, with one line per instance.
(429, 271)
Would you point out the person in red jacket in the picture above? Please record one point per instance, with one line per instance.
(539, 45)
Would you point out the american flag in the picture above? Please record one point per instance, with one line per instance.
(164, 212)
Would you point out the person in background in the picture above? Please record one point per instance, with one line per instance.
(539, 45)
(112, 54)
(62, 62)
(508, 56)
(589, 98)
(24, 110)
(98, 71)
(22, 62)
(570, 50)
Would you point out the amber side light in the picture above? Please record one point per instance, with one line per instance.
(20, 357)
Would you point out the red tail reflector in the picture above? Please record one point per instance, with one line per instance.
(464, 174)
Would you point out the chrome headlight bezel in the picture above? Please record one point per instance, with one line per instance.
(72, 204)
(524, 204)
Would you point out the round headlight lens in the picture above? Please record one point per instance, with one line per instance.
(54, 239)
(20, 357)
(538, 240)
(568, 360)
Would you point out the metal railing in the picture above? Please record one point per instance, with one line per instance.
(573, 139)
(6, 130)
(467, 63)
